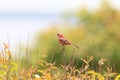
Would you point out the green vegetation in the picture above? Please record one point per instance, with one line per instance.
(96, 33)
(98, 37)
(10, 69)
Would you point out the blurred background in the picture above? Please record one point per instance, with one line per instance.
(32, 25)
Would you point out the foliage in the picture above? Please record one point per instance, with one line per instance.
(43, 70)
(96, 33)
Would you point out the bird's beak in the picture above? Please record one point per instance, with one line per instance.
(58, 34)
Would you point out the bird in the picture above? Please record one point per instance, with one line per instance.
(63, 41)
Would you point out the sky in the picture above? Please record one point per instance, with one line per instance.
(20, 18)
(43, 6)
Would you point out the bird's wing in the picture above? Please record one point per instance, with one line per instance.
(64, 40)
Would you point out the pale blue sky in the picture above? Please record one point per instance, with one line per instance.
(20, 17)
(43, 6)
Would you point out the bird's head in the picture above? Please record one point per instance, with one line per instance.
(59, 35)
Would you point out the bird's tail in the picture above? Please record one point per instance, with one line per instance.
(75, 46)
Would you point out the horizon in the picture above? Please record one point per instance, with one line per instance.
(18, 19)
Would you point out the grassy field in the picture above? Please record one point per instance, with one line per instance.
(11, 69)
(97, 35)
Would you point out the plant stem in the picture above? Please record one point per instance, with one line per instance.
(64, 62)
(9, 67)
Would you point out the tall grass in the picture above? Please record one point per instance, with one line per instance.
(43, 70)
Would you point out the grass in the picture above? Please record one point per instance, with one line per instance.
(43, 70)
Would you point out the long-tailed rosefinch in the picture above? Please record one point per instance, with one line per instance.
(63, 41)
